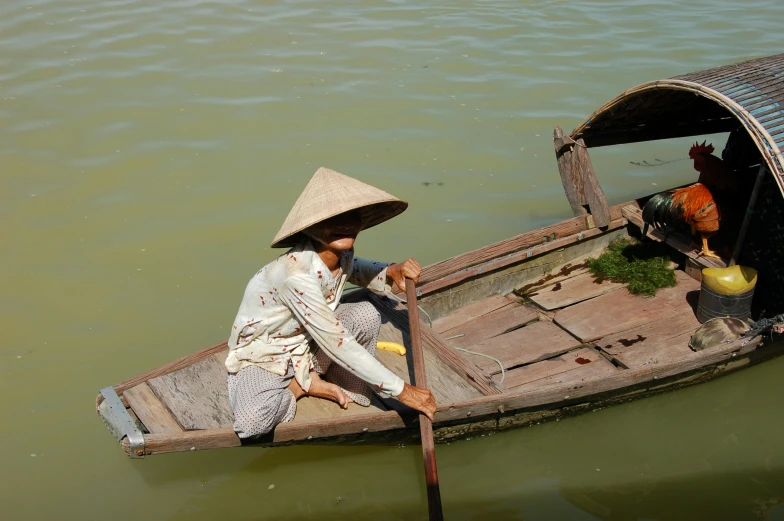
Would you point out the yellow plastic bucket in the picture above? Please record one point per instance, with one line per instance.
(726, 292)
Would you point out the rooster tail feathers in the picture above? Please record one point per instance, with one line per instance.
(658, 211)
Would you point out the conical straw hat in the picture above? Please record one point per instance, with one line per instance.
(330, 193)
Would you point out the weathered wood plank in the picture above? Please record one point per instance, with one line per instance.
(672, 238)
(312, 408)
(618, 311)
(149, 409)
(433, 342)
(221, 357)
(570, 176)
(490, 325)
(558, 274)
(536, 341)
(197, 396)
(652, 343)
(470, 312)
(446, 385)
(572, 291)
(576, 366)
(594, 195)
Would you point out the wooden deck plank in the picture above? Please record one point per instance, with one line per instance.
(221, 357)
(571, 291)
(446, 385)
(576, 366)
(619, 310)
(470, 312)
(150, 410)
(652, 343)
(197, 395)
(657, 352)
(559, 274)
(490, 325)
(536, 341)
(312, 408)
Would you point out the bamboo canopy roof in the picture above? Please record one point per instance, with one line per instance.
(749, 94)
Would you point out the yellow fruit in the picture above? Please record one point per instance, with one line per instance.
(392, 346)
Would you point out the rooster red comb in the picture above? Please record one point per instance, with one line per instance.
(698, 149)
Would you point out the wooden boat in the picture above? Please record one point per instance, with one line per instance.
(563, 343)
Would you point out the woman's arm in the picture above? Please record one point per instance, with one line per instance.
(369, 274)
(302, 295)
(378, 276)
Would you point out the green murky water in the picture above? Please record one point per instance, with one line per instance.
(150, 150)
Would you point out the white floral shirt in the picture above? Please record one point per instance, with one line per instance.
(291, 301)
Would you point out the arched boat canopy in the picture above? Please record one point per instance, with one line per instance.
(749, 94)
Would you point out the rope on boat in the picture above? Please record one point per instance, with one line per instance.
(761, 326)
(494, 359)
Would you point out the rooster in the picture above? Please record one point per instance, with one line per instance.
(693, 205)
(728, 185)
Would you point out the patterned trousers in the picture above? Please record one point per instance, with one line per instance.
(261, 399)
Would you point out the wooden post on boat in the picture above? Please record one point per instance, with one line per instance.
(592, 191)
(570, 177)
(744, 227)
(579, 179)
(425, 425)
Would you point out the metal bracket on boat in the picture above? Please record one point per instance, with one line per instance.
(120, 423)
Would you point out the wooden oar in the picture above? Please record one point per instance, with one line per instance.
(425, 425)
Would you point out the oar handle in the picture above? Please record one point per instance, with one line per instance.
(425, 425)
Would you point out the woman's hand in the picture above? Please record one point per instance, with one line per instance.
(418, 398)
(398, 273)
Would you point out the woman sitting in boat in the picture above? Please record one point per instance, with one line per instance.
(291, 328)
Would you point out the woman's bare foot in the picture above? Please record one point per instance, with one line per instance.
(320, 389)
